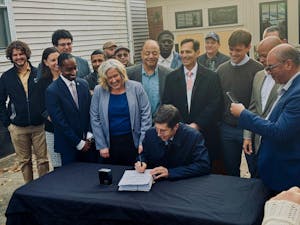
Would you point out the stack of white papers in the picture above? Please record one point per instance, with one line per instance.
(135, 181)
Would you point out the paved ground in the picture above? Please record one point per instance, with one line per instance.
(10, 179)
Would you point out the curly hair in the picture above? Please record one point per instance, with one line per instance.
(19, 45)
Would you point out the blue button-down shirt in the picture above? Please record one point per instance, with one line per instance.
(151, 85)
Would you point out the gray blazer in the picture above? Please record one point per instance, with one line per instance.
(255, 103)
(135, 73)
(139, 110)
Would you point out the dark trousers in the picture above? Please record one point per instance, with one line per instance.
(252, 164)
(91, 156)
(232, 144)
(122, 151)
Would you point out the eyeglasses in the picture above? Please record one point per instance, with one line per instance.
(122, 54)
(269, 68)
(65, 44)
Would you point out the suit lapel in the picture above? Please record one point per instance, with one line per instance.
(272, 97)
(80, 93)
(66, 92)
(182, 86)
(260, 84)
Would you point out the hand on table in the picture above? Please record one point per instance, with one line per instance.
(159, 172)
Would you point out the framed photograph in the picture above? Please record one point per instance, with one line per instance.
(188, 19)
(223, 15)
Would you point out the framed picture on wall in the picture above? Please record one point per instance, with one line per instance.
(223, 15)
(188, 19)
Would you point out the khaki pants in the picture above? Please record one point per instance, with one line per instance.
(26, 139)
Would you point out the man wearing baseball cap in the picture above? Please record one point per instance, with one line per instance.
(122, 54)
(212, 58)
(109, 48)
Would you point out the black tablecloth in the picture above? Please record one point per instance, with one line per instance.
(72, 195)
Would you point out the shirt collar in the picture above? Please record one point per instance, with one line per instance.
(194, 70)
(244, 61)
(169, 59)
(67, 82)
(286, 86)
(145, 74)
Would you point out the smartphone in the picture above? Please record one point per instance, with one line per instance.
(232, 98)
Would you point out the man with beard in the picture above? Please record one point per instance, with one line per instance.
(23, 116)
(168, 58)
(68, 104)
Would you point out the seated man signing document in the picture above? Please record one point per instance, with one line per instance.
(174, 150)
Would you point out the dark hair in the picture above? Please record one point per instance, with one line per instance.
(275, 29)
(168, 114)
(196, 44)
(98, 52)
(62, 57)
(19, 45)
(238, 37)
(46, 72)
(165, 32)
(61, 34)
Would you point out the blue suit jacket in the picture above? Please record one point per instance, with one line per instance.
(279, 152)
(187, 156)
(70, 123)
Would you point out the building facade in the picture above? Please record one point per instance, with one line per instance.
(192, 18)
(91, 22)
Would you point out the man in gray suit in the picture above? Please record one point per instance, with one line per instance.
(264, 94)
(150, 74)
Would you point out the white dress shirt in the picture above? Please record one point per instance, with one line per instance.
(266, 89)
(193, 77)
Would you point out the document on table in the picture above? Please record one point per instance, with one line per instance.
(135, 181)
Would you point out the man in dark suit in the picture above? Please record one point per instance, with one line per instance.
(172, 149)
(196, 92)
(279, 151)
(151, 75)
(68, 103)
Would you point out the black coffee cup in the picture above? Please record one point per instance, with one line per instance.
(105, 176)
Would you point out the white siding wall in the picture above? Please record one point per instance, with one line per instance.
(91, 22)
(140, 31)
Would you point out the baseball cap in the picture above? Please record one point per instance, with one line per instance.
(109, 44)
(213, 35)
(121, 47)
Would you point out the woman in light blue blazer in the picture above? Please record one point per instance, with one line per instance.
(120, 115)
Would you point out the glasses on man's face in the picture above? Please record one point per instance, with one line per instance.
(65, 44)
(122, 54)
(269, 68)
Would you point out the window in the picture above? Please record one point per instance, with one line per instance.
(273, 14)
(4, 25)
(188, 19)
(222, 15)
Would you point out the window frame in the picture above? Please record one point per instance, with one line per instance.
(185, 14)
(8, 31)
(269, 4)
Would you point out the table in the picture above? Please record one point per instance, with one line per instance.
(72, 195)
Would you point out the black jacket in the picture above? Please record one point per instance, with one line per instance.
(21, 111)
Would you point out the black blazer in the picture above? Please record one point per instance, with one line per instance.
(206, 101)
